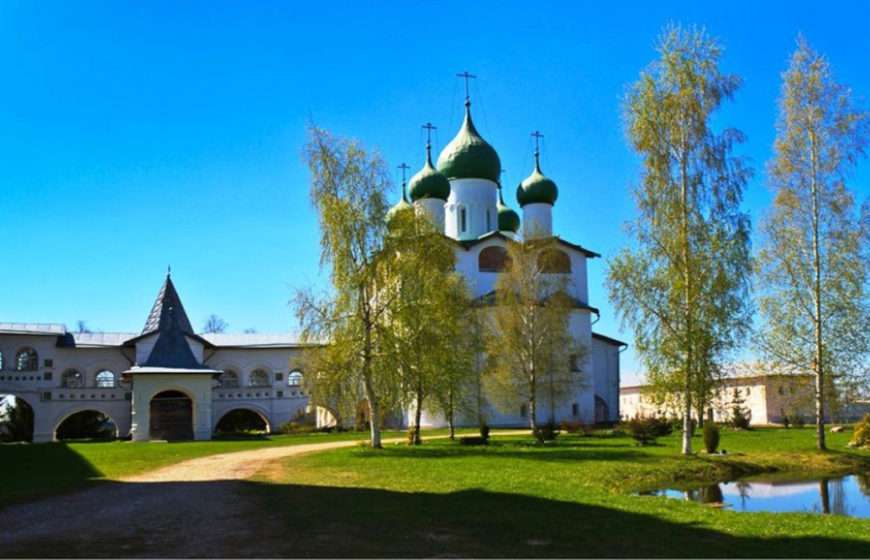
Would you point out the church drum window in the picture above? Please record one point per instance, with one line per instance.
(463, 220)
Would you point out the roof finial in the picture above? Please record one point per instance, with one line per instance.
(168, 270)
(537, 135)
(467, 77)
(404, 167)
(429, 128)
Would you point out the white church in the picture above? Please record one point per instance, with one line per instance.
(168, 382)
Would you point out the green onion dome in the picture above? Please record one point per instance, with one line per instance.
(428, 182)
(508, 219)
(468, 155)
(537, 188)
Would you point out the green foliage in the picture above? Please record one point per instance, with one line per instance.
(711, 437)
(813, 265)
(683, 284)
(429, 314)
(348, 190)
(861, 433)
(647, 430)
(295, 427)
(484, 431)
(531, 318)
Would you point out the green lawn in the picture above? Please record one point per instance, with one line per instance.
(573, 498)
(33, 470)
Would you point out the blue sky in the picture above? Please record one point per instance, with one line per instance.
(134, 135)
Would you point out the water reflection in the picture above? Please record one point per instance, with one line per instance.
(848, 495)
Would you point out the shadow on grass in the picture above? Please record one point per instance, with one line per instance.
(252, 519)
(569, 451)
(30, 470)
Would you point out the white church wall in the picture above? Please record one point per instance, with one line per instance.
(537, 220)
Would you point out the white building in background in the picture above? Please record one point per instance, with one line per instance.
(169, 382)
(165, 382)
(764, 397)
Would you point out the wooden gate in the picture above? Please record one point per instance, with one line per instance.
(171, 416)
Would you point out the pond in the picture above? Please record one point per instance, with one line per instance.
(848, 495)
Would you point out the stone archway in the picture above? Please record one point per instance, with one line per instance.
(18, 419)
(171, 416)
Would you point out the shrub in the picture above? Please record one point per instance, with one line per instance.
(711, 437)
(547, 432)
(739, 418)
(861, 435)
(296, 428)
(575, 427)
(643, 430)
(661, 427)
(473, 440)
(786, 422)
(799, 420)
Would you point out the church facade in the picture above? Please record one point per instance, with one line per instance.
(462, 197)
(168, 382)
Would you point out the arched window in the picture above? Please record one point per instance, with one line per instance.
(72, 379)
(294, 378)
(493, 259)
(229, 379)
(260, 378)
(554, 261)
(26, 360)
(106, 379)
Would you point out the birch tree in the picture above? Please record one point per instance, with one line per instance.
(813, 266)
(426, 322)
(348, 186)
(683, 284)
(528, 340)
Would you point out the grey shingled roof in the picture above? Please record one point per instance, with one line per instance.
(254, 340)
(167, 299)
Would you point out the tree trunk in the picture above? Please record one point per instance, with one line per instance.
(371, 397)
(687, 280)
(533, 423)
(418, 414)
(817, 293)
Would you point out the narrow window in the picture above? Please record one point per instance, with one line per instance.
(462, 220)
(575, 409)
(488, 221)
(523, 410)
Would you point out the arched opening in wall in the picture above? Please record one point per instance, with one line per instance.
(86, 424)
(602, 411)
(16, 419)
(554, 261)
(171, 416)
(242, 421)
(260, 378)
(26, 359)
(493, 259)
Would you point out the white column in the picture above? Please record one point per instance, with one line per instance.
(433, 209)
(537, 220)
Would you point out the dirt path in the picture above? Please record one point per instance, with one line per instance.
(191, 509)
